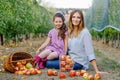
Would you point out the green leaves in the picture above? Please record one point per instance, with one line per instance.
(23, 17)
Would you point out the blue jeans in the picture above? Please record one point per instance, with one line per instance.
(55, 64)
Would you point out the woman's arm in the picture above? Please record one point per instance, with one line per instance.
(93, 62)
(47, 41)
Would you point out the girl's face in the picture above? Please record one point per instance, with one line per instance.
(76, 19)
(58, 22)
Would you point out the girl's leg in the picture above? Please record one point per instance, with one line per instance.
(52, 55)
(44, 53)
(41, 56)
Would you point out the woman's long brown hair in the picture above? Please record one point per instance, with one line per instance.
(71, 26)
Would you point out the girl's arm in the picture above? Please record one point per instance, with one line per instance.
(66, 43)
(47, 41)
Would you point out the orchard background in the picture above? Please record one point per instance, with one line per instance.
(24, 25)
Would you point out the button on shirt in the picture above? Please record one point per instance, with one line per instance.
(80, 48)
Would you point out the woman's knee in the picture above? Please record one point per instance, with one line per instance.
(52, 64)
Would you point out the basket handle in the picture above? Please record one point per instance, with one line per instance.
(23, 59)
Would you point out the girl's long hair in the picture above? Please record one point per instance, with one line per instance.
(80, 26)
(63, 29)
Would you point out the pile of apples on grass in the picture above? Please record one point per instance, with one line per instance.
(66, 65)
(22, 67)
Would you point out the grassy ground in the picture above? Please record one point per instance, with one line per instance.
(107, 60)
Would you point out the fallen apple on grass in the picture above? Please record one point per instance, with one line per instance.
(97, 76)
(62, 75)
(49, 72)
(91, 77)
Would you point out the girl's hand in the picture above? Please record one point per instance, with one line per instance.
(38, 51)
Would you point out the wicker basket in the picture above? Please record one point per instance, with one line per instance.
(12, 59)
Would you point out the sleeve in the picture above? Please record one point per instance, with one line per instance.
(50, 34)
(88, 46)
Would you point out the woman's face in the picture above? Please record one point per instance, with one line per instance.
(58, 22)
(76, 19)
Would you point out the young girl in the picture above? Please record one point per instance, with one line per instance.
(56, 42)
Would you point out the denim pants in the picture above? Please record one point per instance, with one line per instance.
(55, 64)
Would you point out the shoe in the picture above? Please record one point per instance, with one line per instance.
(37, 59)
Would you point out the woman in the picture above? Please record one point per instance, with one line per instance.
(80, 46)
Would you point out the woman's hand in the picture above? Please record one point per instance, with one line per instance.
(101, 72)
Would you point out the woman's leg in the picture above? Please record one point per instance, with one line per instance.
(53, 64)
(53, 61)
(77, 66)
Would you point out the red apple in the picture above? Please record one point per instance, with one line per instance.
(91, 77)
(16, 68)
(55, 73)
(62, 57)
(77, 73)
(39, 71)
(62, 76)
(16, 72)
(97, 76)
(27, 72)
(68, 61)
(67, 57)
(67, 67)
(23, 62)
(62, 69)
(62, 63)
(32, 71)
(72, 73)
(20, 72)
(18, 63)
(49, 72)
(82, 72)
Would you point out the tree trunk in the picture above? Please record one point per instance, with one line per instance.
(1, 39)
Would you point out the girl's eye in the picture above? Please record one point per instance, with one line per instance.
(78, 17)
